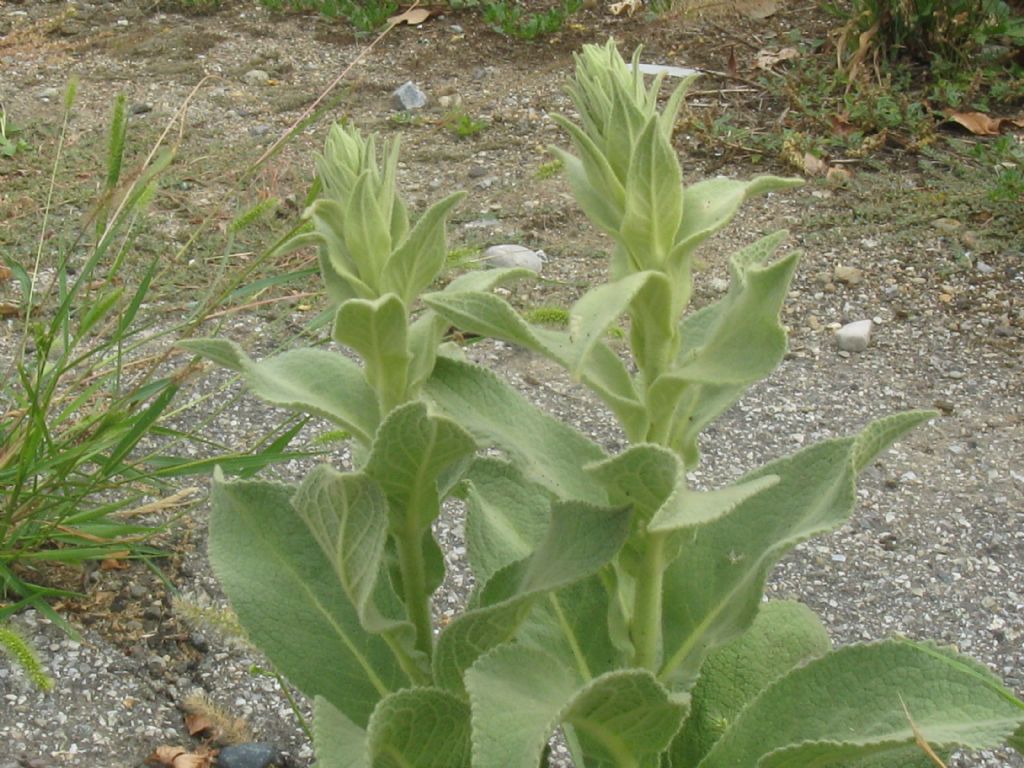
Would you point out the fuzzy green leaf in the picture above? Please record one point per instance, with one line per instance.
(506, 516)
(547, 451)
(783, 635)
(291, 602)
(580, 350)
(654, 199)
(419, 259)
(580, 540)
(420, 728)
(377, 330)
(713, 589)
(863, 700)
(711, 204)
(520, 695)
(415, 459)
(309, 380)
(339, 742)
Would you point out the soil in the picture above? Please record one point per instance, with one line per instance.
(937, 547)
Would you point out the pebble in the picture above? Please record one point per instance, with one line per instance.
(854, 337)
(252, 755)
(513, 256)
(408, 96)
(141, 108)
(256, 77)
(849, 275)
(49, 93)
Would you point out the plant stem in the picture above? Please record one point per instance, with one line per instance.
(647, 605)
(414, 580)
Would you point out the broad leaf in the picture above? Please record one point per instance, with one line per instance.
(290, 601)
(339, 742)
(865, 700)
(783, 635)
(711, 204)
(313, 381)
(548, 452)
(713, 589)
(580, 350)
(367, 233)
(420, 728)
(419, 259)
(654, 199)
(377, 330)
(347, 514)
(580, 540)
(415, 459)
(520, 695)
(506, 516)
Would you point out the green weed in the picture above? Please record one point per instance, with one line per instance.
(10, 144)
(462, 124)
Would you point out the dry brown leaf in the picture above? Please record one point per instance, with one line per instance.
(981, 124)
(731, 66)
(176, 757)
(197, 724)
(412, 17)
(767, 59)
(9, 310)
(5, 273)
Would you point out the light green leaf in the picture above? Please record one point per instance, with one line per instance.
(367, 234)
(711, 204)
(686, 508)
(420, 728)
(714, 587)
(290, 601)
(347, 514)
(487, 279)
(595, 312)
(309, 380)
(580, 349)
(572, 625)
(377, 329)
(882, 433)
(339, 742)
(419, 259)
(868, 698)
(783, 634)
(520, 695)
(547, 451)
(580, 540)
(598, 208)
(340, 270)
(654, 199)
(740, 340)
(506, 516)
(415, 458)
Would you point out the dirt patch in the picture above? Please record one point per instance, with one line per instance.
(937, 549)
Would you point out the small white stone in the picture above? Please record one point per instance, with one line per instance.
(854, 337)
(509, 255)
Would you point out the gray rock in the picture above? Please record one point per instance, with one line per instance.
(256, 77)
(252, 755)
(49, 93)
(498, 256)
(408, 97)
(854, 337)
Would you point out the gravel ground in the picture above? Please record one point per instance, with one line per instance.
(935, 549)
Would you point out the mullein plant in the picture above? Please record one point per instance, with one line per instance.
(612, 600)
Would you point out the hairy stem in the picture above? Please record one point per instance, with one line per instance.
(646, 628)
(414, 587)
